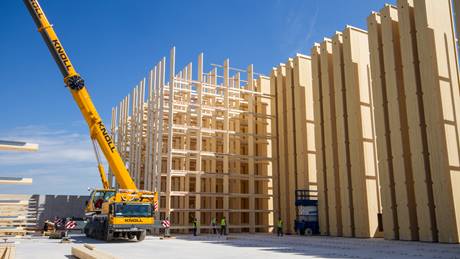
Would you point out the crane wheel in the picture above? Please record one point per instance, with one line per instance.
(141, 235)
(131, 236)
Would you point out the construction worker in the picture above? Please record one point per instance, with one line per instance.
(223, 226)
(214, 225)
(279, 227)
(195, 226)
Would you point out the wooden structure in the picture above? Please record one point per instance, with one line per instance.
(203, 142)
(348, 184)
(293, 148)
(17, 214)
(416, 90)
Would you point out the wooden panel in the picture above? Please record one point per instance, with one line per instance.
(330, 139)
(343, 150)
(389, 209)
(282, 144)
(416, 121)
(323, 216)
(440, 86)
(359, 105)
(291, 145)
(399, 135)
(275, 147)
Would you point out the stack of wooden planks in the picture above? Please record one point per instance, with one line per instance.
(15, 216)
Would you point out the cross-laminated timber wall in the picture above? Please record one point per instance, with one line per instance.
(348, 184)
(203, 143)
(416, 86)
(294, 153)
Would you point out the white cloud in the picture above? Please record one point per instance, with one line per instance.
(299, 26)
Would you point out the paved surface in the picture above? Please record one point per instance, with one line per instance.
(242, 246)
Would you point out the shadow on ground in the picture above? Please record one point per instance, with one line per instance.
(333, 247)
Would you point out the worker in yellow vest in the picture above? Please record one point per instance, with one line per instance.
(279, 227)
(214, 225)
(223, 226)
(195, 226)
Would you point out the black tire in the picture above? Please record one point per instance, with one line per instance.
(141, 235)
(131, 236)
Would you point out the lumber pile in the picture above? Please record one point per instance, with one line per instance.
(16, 217)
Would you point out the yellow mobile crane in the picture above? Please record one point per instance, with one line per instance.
(125, 212)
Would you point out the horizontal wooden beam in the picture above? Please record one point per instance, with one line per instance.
(17, 146)
(15, 180)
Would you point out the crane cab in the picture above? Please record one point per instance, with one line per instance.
(98, 201)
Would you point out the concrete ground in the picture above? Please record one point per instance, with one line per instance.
(255, 246)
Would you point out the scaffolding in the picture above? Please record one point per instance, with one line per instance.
(204, 144)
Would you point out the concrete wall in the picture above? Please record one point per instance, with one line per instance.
(50, 206)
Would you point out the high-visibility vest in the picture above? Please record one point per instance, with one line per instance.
(280, 223)
(213, 221)
(223, 223)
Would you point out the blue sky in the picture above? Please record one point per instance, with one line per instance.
(113, 44)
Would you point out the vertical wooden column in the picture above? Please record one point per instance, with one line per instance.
(282, 132)
(323, 216)
(226, 144)
(385, 162)
(399, 135)
(393, 89)
(291, 173)
(439, 80)
(343, 149)
(330, 139)
(362, 140)
(149, 134)
(251, 147)
(417, 123)
(133, 132)
(237, 141)
(114, 135)
(199, 138)
(275, 145)
(265, 168)
(170, 128)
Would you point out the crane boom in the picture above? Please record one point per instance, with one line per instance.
(77, 88)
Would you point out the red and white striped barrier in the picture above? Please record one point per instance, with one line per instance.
(166, 223)
(70, 224)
